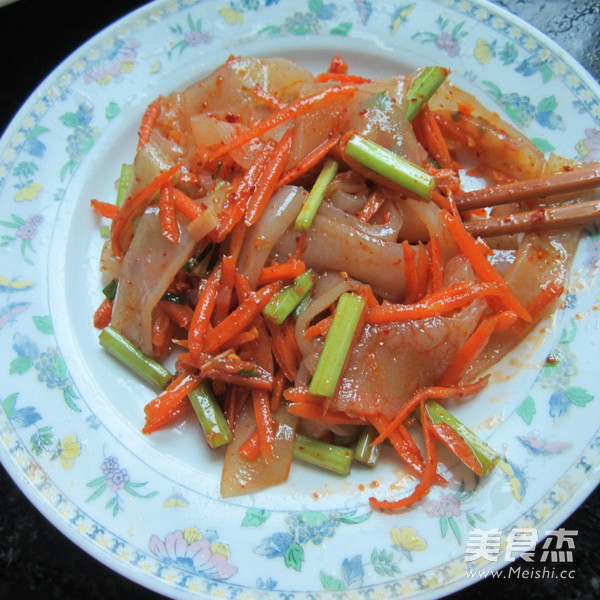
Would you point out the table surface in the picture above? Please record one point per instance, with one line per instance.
(35, 558)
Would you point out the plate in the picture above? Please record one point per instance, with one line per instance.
(148, 507)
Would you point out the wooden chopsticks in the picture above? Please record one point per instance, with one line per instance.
(551, 217)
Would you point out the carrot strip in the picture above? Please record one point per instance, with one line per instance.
(250, 448)
(310, 160)
(180, 313)
(244, 337)
(267, 182)
(277, 391)
(104, 209)
(168, 217)
(427, 479)
(468, 352)
(265, 424)
(267, 97)
(238, 198)
(287, 270)
(300, 394)
(411, 274)
(315, 413)
(405, 446)
(134, 203)
(341, 78)
(202, 313)
(289, 111)
(433, 140)
(371, 206)
(260, 383)
(547, 295)
(103, 314)
(185, 205)
(321, 328)
(170, 403)
(437, 303)
(482, 267)
(457, 445)
(227, 283)
(436, 260)
(241, 317)
(242, 287)
(438, 392)
(285, 354)
(162, 331)
(148, 123)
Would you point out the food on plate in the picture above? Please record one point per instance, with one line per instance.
(301, 249)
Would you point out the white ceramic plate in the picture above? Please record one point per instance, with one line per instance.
(149, 507)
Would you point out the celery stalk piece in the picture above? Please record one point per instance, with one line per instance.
(211, 418)
(315, 197)
(423, 87)
(486, 456)
(124, 183)
(131, 356)
(328, 456)
(286, 300)
(337, 344)
(390, 165)
(363, 451)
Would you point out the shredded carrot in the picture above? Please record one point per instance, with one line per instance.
(267, 182)
(410, 272)
(244, 337)
(262, 382)
(432, 138)
(371, 206)
(199, 325)
(225, 293)
(457, 445)
(482, 267)
(122, 220)
(162, 331)
(505, 320)
(238, 198)
(285, 353)
(148, 123)
(185, 205)
(168, 217)
(289, 111)
(437, 303)
(310, 160)
(250, 448)
(424, 271)
(436, 260)
(179, 313)
(320, 328)
(104, 209)
(443, 201)
(547, 295)
(170, 403)
(277, 391)
(341, 78)
(301, 243)
(428, 476)
(315, 413)
(242, 287)
(439, 392)
(267, 97)
(300, 394)
(103, 314)
(236, 240)
(468, 352)
(265, 424)
(287, 270)
(241, 317)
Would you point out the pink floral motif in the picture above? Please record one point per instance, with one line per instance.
(447, 506)
(193, 552)
(120, 59)
(589, 147)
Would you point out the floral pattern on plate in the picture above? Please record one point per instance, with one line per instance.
(73, 439)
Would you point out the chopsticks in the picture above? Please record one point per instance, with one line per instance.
(551, 217)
